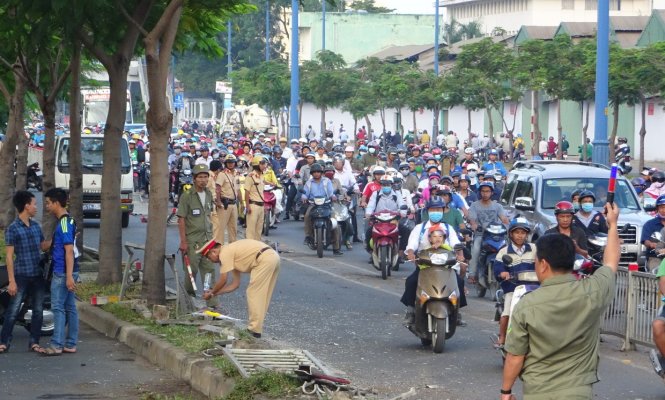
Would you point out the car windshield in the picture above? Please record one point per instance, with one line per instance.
(556, 190)
(91, 153)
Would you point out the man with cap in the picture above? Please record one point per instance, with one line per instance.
(228, 193)
(195, 208)
(351, 163)
(260, 261)
(205, 157)
(287, 152)
(494, 165)
(254, 198)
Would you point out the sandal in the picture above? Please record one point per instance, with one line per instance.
(70, 350)
(4, 348)
(51, 351)
(36, 348)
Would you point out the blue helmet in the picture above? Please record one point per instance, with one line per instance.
(493, 152)
(362, 148)
(660, 201)
(435, 202)
(519, 223)
(485, 184)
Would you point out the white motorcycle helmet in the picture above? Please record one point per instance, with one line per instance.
(392, 172)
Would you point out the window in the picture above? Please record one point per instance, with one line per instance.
(567, 4)
(615, 5)
(555, 190)
(508, 189)
(524, 189)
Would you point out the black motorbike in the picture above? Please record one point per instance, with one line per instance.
(25, 314)
(34, 178)
(321, 221)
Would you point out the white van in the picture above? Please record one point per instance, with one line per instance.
(92, 146)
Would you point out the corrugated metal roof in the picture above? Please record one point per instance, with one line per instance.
(635, 24)
(457, 47)
(401, 52)
(580, 29)
(627, 40)
(540, 32)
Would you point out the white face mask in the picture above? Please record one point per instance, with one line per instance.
(404, 172)
(372, 150)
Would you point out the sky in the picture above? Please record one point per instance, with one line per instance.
(409, 6)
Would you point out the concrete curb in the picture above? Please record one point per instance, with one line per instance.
(200, 373)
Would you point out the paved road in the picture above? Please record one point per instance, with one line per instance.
(340, 310)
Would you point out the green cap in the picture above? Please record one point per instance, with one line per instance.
(200, 168)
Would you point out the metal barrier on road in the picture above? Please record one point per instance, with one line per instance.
(636, 304)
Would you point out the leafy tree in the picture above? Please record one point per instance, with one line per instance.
(581, 81)
(557, 74)
(623, 85)
(369, 6)
(356, 104)
(530, 72)
(455, 31)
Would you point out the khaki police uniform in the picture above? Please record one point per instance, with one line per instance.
(262, 263)
(198, 231)
(557, 327)
(227, 214)
(214, 218)
(254, 220)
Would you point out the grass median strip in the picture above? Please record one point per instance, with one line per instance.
(190, 339)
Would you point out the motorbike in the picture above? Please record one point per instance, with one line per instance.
(146, 176)
(494, 238)
(34, 178)
(341, 212)
(385, 241)
(269, 203)
(297, 210)
(185, 182)
(135, 175)
(323, 224)
(437, 305)
(25, 314)
(622, 158)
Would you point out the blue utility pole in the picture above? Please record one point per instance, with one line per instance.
(267, 30)
(437, 30)
(323, 25)
(600, 143)
(294, 117)
(229, 68)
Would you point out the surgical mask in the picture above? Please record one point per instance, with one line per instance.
(215, 156)
(362, 153)
(382, 163)
(438, 157)
(372, 150)
(435, 216)
(386, 190)
(198, 154)
(177, 152)
(472, 174)
(402, 156)
(404, 172)
(576, 206)
(587, 207)
(419, 169)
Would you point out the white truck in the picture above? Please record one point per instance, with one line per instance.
(250, 117)
(92, 147)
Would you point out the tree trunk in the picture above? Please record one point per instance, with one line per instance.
(468, 115)
(159, 121)
(437, 114)
(75, 172)
(415, 128)
(536, 127)
(8, 152)
(369, 126)
(355, 130)
(615, 128)
(382, 113)
(22, 162)
(323, 122)
(559, 129)
(584, 132)
(48, 109)
(643, 129)
(491, 124)
(110, 230)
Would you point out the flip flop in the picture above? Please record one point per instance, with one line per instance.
(36, 348)
(70, 350)
(51, 351)
(4, 348)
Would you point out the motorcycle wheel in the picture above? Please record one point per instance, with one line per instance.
(439, 335)
(481, 291)
(266, 223)
(318, 235)
(384, 264)
(48, 326)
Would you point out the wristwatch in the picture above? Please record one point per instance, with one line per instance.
(509, 391)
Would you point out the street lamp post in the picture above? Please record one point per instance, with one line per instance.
(600, 143)
(267, 30)
(437, 29)
(294, 118)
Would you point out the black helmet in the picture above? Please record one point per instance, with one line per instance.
(658, 176)
(587, 193)
(316, 167)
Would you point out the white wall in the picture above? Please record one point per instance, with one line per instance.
(458, 121)
(654, 141)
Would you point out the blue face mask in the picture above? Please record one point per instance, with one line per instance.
(576, 206)
(435, 216)
(385, 190)
(587, 207)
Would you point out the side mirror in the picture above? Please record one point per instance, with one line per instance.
(506, 259)
(649, 204)
(404, 208)
(524, 204)
(656, 237)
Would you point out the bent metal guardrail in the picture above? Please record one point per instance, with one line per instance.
(636, 304)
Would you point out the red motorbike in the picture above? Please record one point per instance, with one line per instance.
(269, 203)
(385, 241)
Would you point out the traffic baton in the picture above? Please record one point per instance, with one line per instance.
(612, 184)
(185, 260)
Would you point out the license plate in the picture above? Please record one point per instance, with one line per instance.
(39, 173)
(91, 207)
(624, 250)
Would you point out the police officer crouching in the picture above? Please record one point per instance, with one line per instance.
(260, 261)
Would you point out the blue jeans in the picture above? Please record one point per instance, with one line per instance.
(63, 306)
(33, 287)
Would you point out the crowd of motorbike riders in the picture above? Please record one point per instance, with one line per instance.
(410, 196)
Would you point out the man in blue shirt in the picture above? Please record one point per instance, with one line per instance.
(318, 186)
(493, 164)
(652, 226)
(64, 257)
(23, 240)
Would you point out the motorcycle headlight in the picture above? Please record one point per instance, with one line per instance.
(439, 259)
(423, 297)
(453, 297)
(598, 241)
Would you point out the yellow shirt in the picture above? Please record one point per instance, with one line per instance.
(424, 138)
(270, 178)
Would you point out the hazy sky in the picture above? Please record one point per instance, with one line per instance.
(409, 6)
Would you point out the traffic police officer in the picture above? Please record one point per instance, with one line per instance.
(254, 198)
(252, 257)
(228, 186)
(195, 224)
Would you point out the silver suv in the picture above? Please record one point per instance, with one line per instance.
(533, 188)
